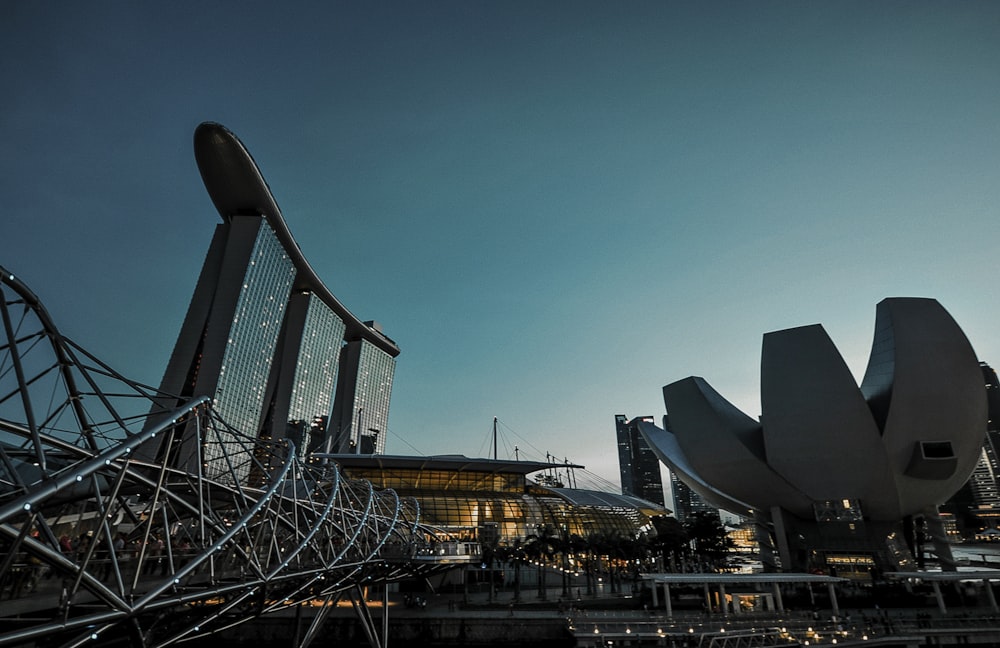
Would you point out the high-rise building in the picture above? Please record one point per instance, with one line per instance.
(264, 338)
(985, 480)
(303, 386)
(686, 501)
(640, 468)
(362, 411)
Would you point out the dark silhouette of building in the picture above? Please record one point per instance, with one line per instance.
(640, 467)
(686, 501)
(981, 495)
(984, 480)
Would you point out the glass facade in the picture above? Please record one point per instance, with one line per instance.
(686, 501)
(985, 479)
(640, 468)
(372, 392)
(316, 374)
(250, 348)
(265, 339)
(468, 503)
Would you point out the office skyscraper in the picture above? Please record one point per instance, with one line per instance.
(640, 468)
(985, 479)
(686, 501)
(361, 429)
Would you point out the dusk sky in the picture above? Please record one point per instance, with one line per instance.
(554, 208)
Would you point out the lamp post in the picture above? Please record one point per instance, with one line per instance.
(564, 550)
(357, 444)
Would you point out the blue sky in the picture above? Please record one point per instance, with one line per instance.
(554, 208)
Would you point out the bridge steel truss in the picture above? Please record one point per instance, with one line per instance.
(98, 546)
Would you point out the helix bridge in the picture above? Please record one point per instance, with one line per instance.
(102, 545)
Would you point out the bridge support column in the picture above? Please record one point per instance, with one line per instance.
(777, 597)
(385, 615)
(365, 617)
(937, 595)
(990, 596)
(318, 620)
(833, 599)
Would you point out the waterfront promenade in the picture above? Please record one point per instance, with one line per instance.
(622, 619)
(619, 620)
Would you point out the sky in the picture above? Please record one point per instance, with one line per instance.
(553, 208)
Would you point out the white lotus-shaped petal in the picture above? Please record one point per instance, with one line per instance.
(907, 439)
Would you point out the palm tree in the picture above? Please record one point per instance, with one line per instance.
(533, 551)
(577, 546)
(593, 542)
(601, 545)
(561, 546)
(516, 557)
(671, 541)
(489, 555)
(541, 547)
(711, 543)
(513, 556)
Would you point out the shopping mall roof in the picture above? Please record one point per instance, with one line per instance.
(455, 462)
(580, 497)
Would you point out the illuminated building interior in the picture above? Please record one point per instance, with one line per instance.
(495, 502)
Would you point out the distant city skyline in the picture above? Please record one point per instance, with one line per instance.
(554, 209)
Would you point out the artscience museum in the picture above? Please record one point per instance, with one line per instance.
(839, 478)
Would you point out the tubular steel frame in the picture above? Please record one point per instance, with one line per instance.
(98, 546)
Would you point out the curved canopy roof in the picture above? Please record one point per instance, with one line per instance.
(237, 188)
(581, 497)
(456, 463)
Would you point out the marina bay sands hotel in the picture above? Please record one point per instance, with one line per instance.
(264, 337)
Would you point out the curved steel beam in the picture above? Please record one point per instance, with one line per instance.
(237, 188)
(297, 508)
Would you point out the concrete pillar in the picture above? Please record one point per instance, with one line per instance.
(990, 596)
(781, 538)
(937, 595)
(656, 598)
(777, 597)
(708, 599)
(939, 537)
(666, 599)
(830, 587)
(764, 542)
(385, 615)
(722, 599)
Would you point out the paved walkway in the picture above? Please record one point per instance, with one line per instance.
(475, 604)
(618, 615)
